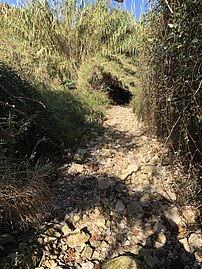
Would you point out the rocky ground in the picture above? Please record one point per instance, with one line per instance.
(116, 207)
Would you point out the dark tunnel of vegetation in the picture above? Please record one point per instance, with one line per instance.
(119, 95)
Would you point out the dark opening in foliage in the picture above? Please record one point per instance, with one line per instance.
(117, 92)
(119, 95)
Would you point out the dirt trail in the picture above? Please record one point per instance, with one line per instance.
(118, 191)
(116, 208)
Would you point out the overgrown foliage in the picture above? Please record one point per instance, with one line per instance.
(171, 75)
(170, 96)
(51, 45)
(50, 98)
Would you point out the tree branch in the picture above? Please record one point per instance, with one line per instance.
(11, 107)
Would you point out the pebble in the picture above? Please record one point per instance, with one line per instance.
(119, 207)
(116, 209)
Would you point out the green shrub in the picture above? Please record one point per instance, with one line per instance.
(170, 59)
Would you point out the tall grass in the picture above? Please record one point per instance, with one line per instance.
(170, 98)
(48, 55)
(60, 37)
(50, 44)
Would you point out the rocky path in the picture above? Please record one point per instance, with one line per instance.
(116, 207)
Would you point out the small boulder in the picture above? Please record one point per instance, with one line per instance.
(77, 238)
(123, 262)
(195, 241)
(172, 216)
(66, 230)
(87, 252)
(76, 168)
(190, 214)
(119, 207)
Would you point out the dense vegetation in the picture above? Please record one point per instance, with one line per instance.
(170, 99)
(56, 68)
(58, 64)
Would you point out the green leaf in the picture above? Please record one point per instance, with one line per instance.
(170, 25)
(179, 46)
(195, 40)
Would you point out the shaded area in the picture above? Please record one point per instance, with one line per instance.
(36, 120)
(36, 124)
(119, 95)
(80, 194)
(116, 91)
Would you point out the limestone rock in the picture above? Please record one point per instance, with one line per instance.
(76, 168)
(148, 169)
(87, 252)
(100, 222)
(190, 214)
(53, 233)
(77, 238)
(195, 241)
(123, 262)
(50, 263)
(66, 230)
(198, 256)
(132, 168)
(87, 265)
(169, 195)
(161, 238)
(172, 216)
(95, 243)
(185, 244)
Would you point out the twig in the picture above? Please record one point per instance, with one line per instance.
(11, 107)
(20, 98)
(199, 87)
(171, 11)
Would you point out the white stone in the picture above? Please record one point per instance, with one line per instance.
(195, 241)
(76, 168)
(66, 230)
(100, 222)
(127, 243)
(185, 244)
(77, 238)
(172, 216)
(87, 265)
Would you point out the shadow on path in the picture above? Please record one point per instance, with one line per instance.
(125, 217)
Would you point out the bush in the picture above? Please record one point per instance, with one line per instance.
(171, 75)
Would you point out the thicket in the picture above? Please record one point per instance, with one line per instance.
(52, 90)
(170, 98)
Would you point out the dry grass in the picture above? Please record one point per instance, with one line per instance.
(25, 197)
(26, 205)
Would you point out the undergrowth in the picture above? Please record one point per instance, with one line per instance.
(169, 99)
(52, 91)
